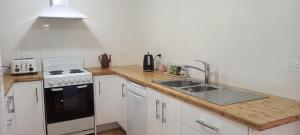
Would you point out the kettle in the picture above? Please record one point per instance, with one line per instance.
(105, 60)
(148, 65)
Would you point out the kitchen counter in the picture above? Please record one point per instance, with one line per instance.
(259, 114)
(9, 80)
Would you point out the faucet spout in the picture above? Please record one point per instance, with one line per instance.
(205, 70)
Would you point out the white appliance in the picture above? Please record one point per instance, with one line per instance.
(137, 109)
(61, 9)
(69, 98)
(23, 66)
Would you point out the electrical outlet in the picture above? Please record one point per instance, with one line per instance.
(46, 27)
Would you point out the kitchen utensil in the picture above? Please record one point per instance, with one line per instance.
(105, 60)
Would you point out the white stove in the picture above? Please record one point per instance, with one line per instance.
(65, 72)
(69, 97)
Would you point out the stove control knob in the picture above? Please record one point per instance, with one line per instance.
(71, 80)
(66, 81)
(51, 83)
(88, 79)
(59, 82)
(82, 80)
(78, 80)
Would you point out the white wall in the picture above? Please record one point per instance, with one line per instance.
(106, 30)
(248, 43)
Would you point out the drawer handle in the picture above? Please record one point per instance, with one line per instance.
(207, 125)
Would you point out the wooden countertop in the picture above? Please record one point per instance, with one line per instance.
(259, 114)
(9, 80)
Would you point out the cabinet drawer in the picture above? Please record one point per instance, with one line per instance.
(209, 123)
(189, 131)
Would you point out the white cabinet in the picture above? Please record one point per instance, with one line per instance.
(9, 114)
(2, 124)
(105, 101)
(164, 114)
(186, 130)
(288, 129)
(29, 108)
(121, 102)
(197, 121)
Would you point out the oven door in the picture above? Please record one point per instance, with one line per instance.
(69, 103)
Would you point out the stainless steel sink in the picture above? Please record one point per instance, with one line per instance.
(210, 93)
(179, 83)
(200, 88)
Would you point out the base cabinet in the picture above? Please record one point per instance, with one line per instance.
(164, 114)
(186, 130)
(288, 129)
(121, 102)
(29, 108)
(105, 101)
(197, 121)
(9, 116)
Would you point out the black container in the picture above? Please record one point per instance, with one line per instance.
(148, 65)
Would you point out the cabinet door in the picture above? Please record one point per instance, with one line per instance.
(105, 102)
(171, 116)
(2, 118)
(29, 108)
(121, 102)
(154, 115)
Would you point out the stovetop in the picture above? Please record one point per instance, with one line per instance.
(61, 73)
(65, 72)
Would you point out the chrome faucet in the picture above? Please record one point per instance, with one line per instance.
(205, 71)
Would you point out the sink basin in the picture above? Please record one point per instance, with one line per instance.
(180, 83)
(201, 88)
(218, 95)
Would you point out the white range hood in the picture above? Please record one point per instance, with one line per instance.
(61, 9)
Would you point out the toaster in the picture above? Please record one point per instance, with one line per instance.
(23, 66)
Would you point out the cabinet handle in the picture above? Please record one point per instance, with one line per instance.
(164, 119)
(157, 104)
(123, 95)
(207, 125)
(36, 94)
(99, 88)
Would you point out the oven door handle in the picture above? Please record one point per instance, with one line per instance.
(57, 89)
(82, 86)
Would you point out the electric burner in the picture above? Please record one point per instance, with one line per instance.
(76, 71)
(56, 72)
